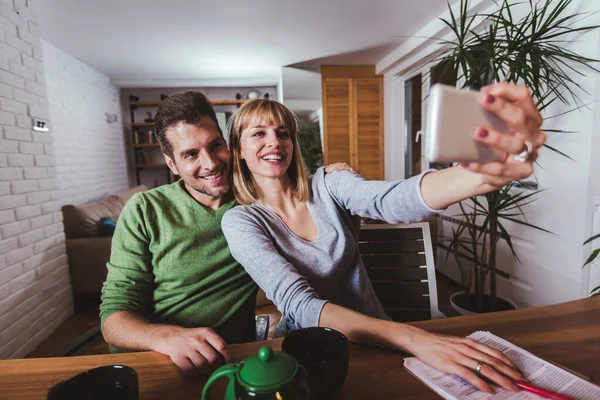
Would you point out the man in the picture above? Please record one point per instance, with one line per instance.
(172, 285)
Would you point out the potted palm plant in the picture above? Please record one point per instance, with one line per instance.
(486, 48)
(309, 139)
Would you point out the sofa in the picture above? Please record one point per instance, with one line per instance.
(87, 250)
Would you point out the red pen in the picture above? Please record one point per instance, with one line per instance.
(528, 387)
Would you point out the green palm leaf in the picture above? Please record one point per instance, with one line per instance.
(592, 239)
(592, 257)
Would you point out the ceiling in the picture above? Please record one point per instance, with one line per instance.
(141, 43)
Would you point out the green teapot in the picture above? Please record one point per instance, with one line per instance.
(263, 376)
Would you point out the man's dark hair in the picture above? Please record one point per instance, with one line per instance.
(189, 107)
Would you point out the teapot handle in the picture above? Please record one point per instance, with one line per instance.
(228, 370)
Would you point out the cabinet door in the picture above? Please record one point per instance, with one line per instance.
(337, 125)
(368, 110)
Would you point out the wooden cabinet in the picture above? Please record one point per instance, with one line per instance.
(353, 118)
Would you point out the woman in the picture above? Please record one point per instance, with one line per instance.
(293, 236)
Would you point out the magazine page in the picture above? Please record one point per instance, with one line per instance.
(539, 372)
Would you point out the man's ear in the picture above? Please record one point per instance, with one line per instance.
(171, 164)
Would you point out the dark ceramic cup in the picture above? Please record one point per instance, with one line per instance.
(324, 353)
(111, 382)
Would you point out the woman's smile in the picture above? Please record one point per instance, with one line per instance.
(273, 158)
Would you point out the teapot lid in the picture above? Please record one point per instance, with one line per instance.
(267, 370)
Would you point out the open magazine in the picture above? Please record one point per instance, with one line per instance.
(539, 372)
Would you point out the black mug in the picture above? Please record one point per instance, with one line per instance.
(111, 382)
(324, 353)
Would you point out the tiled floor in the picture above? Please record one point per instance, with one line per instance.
(86, 317)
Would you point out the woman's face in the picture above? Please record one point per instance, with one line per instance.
(267, 149)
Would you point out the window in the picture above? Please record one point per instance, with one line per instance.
(412, 124)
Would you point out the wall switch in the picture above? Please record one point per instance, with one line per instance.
(40, 126)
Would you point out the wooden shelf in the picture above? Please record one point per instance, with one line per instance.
(141, 166)
(214, 102)
(142, 145)
(228, 102)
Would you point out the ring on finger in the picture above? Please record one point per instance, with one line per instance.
(478, 368)
(525, 154)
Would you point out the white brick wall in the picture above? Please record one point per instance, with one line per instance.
(90, 153)
(35, 291)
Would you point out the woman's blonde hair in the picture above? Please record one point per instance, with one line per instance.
(273, 113)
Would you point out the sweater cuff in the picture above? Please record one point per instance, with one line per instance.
(319, 307)
(420, 194)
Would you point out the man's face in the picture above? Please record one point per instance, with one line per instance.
(201, 159)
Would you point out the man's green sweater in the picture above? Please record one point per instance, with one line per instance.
(170, 263)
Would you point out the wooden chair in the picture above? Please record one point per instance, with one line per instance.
(399, 261)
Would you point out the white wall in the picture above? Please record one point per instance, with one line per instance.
(35, 291)
(301, 91)
(90, 152)
(551, 264)
(594, 281)
(594, 168)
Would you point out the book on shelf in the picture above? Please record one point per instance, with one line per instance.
(142, 158)
(539, 372)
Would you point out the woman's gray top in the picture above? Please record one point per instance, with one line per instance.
(301, 276)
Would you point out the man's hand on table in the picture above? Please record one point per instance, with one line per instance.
(196, 351)
(460, 356)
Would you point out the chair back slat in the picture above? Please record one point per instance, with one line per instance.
(409, 287)
(387, 235)
(392, 247)
(409, 315)
(394, 260)
(397, 274)
(407, 301)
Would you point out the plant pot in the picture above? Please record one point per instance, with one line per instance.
(463, 306)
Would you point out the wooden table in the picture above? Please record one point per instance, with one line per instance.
(567, 334)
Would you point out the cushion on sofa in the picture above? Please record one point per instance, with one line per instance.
(106, 227)
(82, 220)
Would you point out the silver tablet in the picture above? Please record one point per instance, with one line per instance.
(452, 117)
